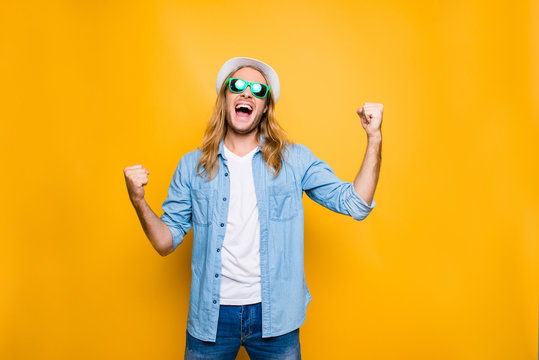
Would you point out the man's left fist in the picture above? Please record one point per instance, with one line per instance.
(371, 117)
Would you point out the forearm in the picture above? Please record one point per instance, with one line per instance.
(367, 177)
(155, 229)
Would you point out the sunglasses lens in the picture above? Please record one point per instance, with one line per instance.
(257, 89)
(237, 85)
(260, 90)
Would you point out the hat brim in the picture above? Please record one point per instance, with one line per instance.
(237, 62)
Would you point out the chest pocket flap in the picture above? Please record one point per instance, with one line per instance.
(202, 201)
(283, 202)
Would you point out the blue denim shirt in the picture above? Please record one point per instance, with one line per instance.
(192, 201)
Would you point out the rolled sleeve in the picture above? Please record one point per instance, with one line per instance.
(323, 186)
(359, 209)
(177, 233)
(177, 206)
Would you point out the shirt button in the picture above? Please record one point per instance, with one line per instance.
(224, 199)
(226, 174)
(218, 250)
(222, 224)
(215, 301)
(216, 275)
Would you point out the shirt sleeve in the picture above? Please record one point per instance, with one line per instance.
(177, 206)
(323, 186)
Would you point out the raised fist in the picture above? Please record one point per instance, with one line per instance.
(371, 117)
(135, 178)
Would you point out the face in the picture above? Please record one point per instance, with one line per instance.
(240, 119)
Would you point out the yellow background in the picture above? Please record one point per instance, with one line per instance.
(445, 267)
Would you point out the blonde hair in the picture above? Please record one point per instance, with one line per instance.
(272, 149)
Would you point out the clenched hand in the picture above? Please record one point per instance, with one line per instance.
(136, 177)
(371, 117)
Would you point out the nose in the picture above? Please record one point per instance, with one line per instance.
(247, 92)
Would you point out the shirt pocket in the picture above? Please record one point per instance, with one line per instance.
(202, 206)
(283, 203)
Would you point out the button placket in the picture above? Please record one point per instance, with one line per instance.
(224, 197)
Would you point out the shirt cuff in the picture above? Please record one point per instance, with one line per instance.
(359, 209)
(177, 234)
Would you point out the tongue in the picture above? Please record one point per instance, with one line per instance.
(242, 114)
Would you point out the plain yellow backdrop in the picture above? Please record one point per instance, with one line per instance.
(446, 265)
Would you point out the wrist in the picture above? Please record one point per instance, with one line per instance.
(138, 203)
(374, 137)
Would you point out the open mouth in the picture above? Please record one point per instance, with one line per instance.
(243, 110)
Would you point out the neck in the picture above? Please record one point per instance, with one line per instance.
(241, 144)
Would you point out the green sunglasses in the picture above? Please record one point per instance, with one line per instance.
(239, 85)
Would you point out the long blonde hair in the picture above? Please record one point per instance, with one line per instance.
(272, 149)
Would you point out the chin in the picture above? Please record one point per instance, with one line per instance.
(243, 131)
(246, 128)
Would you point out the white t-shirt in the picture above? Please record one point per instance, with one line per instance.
(240, 255)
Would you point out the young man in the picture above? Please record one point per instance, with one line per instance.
(241, 191)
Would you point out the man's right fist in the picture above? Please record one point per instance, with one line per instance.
(135, 178)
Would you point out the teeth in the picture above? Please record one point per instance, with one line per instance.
(244, 106)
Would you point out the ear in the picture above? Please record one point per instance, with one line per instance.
(266, 109)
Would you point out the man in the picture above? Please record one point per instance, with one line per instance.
(241, 191)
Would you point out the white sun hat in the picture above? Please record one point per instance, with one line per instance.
(236, 62)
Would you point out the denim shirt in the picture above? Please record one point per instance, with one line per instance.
(203, 205)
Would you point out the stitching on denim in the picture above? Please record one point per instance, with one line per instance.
(242, 337)
(254, 319)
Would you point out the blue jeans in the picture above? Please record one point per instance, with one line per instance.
(242, 326)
